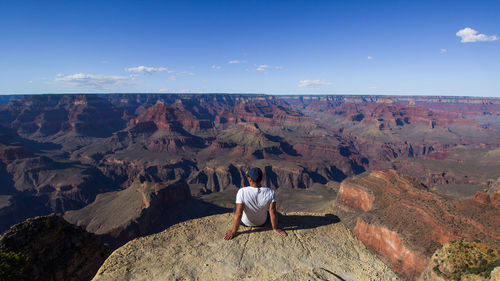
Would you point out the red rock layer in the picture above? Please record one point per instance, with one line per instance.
(404, 223)
(383, 240)
(355, 196)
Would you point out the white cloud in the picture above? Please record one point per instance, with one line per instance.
(369, 58)
(442, 51)
(265, 67)
(312, 83)
(237, 61)
(91, 81)
(147, 69)
(470, 35)
(262, 67)
(181, 74)
(162, 90)
(184, 91)
(30, 81)
(216, 66)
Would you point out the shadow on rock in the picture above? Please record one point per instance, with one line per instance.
(297, 222)
(192, 208)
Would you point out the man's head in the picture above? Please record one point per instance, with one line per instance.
(255, 174)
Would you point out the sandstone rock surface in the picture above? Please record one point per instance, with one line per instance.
(318, 247)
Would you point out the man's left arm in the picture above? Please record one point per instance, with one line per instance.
(274, 219)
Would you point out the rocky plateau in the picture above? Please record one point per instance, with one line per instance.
(317, 248)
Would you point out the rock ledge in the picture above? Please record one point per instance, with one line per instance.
(317, 247)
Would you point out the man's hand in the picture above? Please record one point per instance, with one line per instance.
(229, 235)
(280, 232)
(236, 222)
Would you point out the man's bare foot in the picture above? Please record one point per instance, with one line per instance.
(280, 232)
(229, 235)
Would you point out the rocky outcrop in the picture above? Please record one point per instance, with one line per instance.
(463, 260)
(355, 196)
(317, 247)
(404, 223)
(124, 172)
(219, 178)
(493, 194)
(54, 249)
(136, 211)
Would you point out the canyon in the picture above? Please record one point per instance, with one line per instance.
(405, 174)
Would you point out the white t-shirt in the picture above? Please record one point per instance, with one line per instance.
(256, 203)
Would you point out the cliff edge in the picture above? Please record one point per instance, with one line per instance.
(132, 212)
(317, 247)
(49, 248)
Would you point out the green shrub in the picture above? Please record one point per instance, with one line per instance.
(48, 223)
(485, 268)
(12, 265)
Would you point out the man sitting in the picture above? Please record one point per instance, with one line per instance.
(252, 203)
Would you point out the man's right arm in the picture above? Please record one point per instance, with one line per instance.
(238, 213)
(274, 219)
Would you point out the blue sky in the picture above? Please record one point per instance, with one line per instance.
(273, 47)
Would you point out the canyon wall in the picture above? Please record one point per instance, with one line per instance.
(404, 223)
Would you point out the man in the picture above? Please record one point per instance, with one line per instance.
(252, 203)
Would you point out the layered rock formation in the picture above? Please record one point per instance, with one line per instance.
(33, 183)
(138, 210)
(54, 249)
(317, 247)
(58, 152)
(404, 223)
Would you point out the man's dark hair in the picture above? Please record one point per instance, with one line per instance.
(255, 174)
